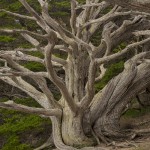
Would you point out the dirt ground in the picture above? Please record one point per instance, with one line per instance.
(142, 141)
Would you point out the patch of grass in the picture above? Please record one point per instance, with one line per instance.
(25, 45)
(6, 39)
(133, 113)
(36, 54)
(27, 101)
(19, 122)
(63, 56)
(34, 66)
(120, 47)
(15, 124)
(4, 99)
(13, 143)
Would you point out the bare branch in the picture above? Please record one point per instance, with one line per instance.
(31, 110)
(102, 73)
(73, 16)
(142, 5)
(53, 76)
(89, 5)
(124, 51)
(22, 31)
(40, 20)
(17, 55)
(29, 89)
(9, 72)
(106, 18)
(40, 81)
(139, 33)
(17, 15)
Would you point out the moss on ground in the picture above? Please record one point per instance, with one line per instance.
(6, 39)
(133, 113)
(14, 124)
(34, 66)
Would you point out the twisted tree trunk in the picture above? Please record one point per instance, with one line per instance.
(86, 64)
(115, 97)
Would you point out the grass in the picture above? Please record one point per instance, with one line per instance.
(15, 124)
(34, 66)
(6, 39)
(36, 54)
(133, 113)
(13, 143)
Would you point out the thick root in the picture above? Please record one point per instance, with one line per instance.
(48, 143)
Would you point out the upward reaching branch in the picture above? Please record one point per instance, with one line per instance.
(142, 5)
(56, 80)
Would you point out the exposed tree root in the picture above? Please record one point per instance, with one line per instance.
(90, 148)
(142, 131)
(95, 136)
(48, 143)
(94, 148)
(126, 144)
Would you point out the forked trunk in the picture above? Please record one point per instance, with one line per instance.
(72, 129)
(115, 97)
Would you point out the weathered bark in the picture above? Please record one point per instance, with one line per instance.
(121, 90)
(140, 5)
(72, 130)
(85, 64)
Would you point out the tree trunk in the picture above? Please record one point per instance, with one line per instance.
(115, 97)
(72, 129)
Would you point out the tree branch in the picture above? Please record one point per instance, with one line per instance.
(18, 15)
(53, 76)
(73, 16)
(124, 51)
(139, 33)
(39, 80)
(142, 5)
(22, 31)
(31, 110)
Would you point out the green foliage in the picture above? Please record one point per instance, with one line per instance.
(15, 6)
(133, 113)
(34, 66)
(111, 72)
(36, 54)
(120, 47)
(25, 45)
(6, 39)
(59, 55)
(27, 101)
(13, 143)
(19, 123)
(14, 124)
(95, 39)
(4, 99)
